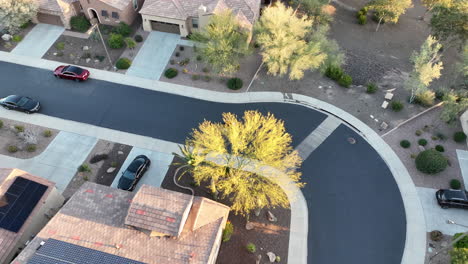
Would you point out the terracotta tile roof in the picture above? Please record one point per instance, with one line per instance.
(94, 219)
(8, 239)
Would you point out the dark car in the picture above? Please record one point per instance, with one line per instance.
(452, 198)
(20, 103)
(133, 173)
(71, 72)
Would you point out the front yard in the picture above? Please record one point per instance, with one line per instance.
(9, 45)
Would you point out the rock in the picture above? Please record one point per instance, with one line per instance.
(271, 217)
(249, 226)
(421, 148)
(6, 37)
(85, 48)
(320, 87)
(110, 170)
(120, 152)
(72, 56)
(259, 258)
(88, 60)
(271, 256)
(96, 61)
(257, 211)
(28, 137)
(384, 125)
(371, 116)
(55, 53)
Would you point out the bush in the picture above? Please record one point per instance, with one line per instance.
(418, 133)
(458, 255)
(372, 88)
(436, 235)
(31, 148)
(123, 29)
(184, 62)
(462, 243)
(441, 136)
(227, 232)
(86, 55)
(113, 164)
(425, 98)
(79, 23)
(60, 45)
(130, 43)
(17, 38)
(205, 70)
(170, 73)
(440, 148)
(123, 63)
(115, 41)
(47, 133)
(422, 142)
(172, 62)
(12, 149)
(334, 72)
(362, 20)
(345, 80)
(431, 161)
(455, 184)
(376, 17)
(251, 247)
(138, 38)
(397, 106)
(1, 123)
(277, 259)
(181, 48)
(234, 83)
(177, 54)
(199, 57)
(405, 144)
(84, 168)
(97, 158)
(195, 77)
(459, 137)
(439, 94)
(19, 128)
(25, 24)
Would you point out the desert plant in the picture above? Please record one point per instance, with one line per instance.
(436, 235)
(405, 143)
(130, 43)
(19, 128)
(47, 133)
(441, 136)
(184, 62)
(199, 57)
(113, 164)
(123, 63)
(459, 137)
(434, 138)
(362, 20)
(31, 148)
(17, 38)
(334, 72)
(205, 70)
(170, 73)
(172, 62)
(227, 232)
(86, 55)
(98, 157)
(462, 243)
(425, 98)
(12, 149)
(440, 148)
(116, 41)
(60, 45)
(431, 161)
(277, 259)
(345, 80)
(234, 83)
(25, 24)
(195, 77)
(455, 184)
(181, 48)
(422, 142)
(79, 23)
(251, 247)
(397, 106)
(123, 29)
(99, 57)
(177, 54)
(418, 133)
(372, 88)
(138, 38)
(84, 168)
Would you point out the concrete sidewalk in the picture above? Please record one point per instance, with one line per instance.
(38, 41)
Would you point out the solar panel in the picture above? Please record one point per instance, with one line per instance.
(60, 252)
(22, 197)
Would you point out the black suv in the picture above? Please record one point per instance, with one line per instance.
(452, 198)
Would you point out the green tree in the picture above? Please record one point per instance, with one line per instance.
(224, 42)
(427, 67)
(315, 10)
(389, 10)
(335, 56)
(283, 40)
(459, 256)
(454, 105)
(231, 157)
(14, 13)
(450, 22)
(430, 4)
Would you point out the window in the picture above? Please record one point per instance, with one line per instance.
(195, 22)
(104, 13)
(135, 4)
(115, 15)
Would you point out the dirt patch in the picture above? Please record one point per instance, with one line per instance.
(267, 236)
(204, 77)
(436, 246)
(10, 45)
(115, 155)
(10, 135)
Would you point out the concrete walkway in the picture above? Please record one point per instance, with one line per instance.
(38, 41)
(463, 161)
(153, 57)
(59, 161)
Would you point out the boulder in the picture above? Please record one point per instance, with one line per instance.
(88, 60)
(6, 37)
(28, 137)
(110, 170)
(120, 152)
(271, 217)
(249, 226)
(259, 258)
(271, 256)
(421, 148)
(85, 48)
(96, 61)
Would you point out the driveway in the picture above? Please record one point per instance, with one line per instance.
(38, 40)
(153, 57)
(157, 171)
(59, 161)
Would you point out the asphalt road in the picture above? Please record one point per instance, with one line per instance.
(356, 213)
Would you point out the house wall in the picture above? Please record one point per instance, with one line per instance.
(182, 23)
(53, 201)
(127, 15)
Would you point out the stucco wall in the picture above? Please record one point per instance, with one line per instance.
(127, 15)
(182, 23)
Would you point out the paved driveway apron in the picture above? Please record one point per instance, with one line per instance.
(38, 41)
(154, 55)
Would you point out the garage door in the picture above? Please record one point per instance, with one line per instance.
(165, 27)
(49, 19)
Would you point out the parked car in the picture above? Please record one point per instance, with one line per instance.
(71, 72)
(452, 198)
(132, 175)
(20, 103)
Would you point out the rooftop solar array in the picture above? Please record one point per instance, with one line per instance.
(60, 252)
(22, 197)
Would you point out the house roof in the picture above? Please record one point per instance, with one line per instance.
(52, 5)
(119, 4)
(8, 238)
(183, 9)
(95, 218)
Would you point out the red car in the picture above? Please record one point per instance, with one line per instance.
(71, 72)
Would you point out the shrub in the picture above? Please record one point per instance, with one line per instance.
(205, 70)
(181, 48)
(458, 255)
(405, 143)
(99, 57)
(25, 24)
(123, 63)
(105, 29)
(172, 62)
(439, 94)
(115, 41)
(113, 164)
(434, 138)
(227, 232)
(97, 158)
(84, 168)
(462, 243)
(130, 43)
(345, 80)
(459, 137)
(277, 259)
(1, 123)
(170, 73)
(177, 54)
(425, 98)
(234, 83)
(436, 235)
(19, 128)
(86, 55)
(251, 247)
(138, 38)
(413, 156)
(397, 106)
(17, 38)
(60, 45)
(79, 23)
(376, 16)
(123, 29)
(47, 133)
(199, 57)
(441, 136)
(372, 88)
(431, 161)
(207, 78)
(440, 148)
(422, 142)
(12, 149)
(455, 184)
(184, 62)
(418, 133)
(362, 20)
(195, 77)
(334, 72)
(31, 148)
